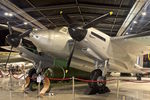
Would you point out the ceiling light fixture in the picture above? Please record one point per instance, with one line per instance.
(127, 33)
(143, 13)
(6, 13)
(35, 29)
(25, 23)
(10, 14)
(135, 22)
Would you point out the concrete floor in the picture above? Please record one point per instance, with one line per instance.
(63, 91)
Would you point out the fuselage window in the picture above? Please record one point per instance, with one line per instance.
(98, 36)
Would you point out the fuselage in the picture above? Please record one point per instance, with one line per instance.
(57, 43)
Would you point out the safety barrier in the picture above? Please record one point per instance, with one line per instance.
(88, 81)
(7, 74)
(85, 80)
(60, 79)
(18, 77)
(3, 74)
(117, 80)
(103, 81)
(78, 79)
(136, 81)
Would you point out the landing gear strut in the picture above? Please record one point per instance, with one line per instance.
(30, 79)
(139, 77)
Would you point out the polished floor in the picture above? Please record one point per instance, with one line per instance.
(63, 91)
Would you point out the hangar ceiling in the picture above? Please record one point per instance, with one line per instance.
(45, 13)
(140, 24)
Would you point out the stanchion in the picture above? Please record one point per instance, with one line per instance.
(10, 85)
(39, 82)
(123, 97)
(24, 82)
(10, 95)
(39, 91)
(118, 81)
(73, 87)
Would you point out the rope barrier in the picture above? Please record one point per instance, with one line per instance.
(88, 81)
(135, 81)
(60, 79)
(102, 81)
(82, 80)
(18, 77)
(4, 74)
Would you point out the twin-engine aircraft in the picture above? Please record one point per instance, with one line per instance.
(111, 54)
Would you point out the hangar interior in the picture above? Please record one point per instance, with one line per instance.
(42, 54)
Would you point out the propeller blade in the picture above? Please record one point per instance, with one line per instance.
(70, 57)
(25, 33)
(66, 18)
(9, 28)
(96, 21)
(8, 57)
(15, 39)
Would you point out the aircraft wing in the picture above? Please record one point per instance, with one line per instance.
(138, 44)
(15, 57)
(14, 28)
(9, 48)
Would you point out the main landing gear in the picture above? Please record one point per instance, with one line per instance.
(100, 86)
(97, 87)
(32, 85)
(139, 77)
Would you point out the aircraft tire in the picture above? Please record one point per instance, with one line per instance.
(33, 86)
(97, 75)
(31, 72)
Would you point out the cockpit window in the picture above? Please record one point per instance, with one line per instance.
(98, 36)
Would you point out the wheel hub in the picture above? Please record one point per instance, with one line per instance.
(100, 78)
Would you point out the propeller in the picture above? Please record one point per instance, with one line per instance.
(14, 39)
(70, 57)
(79, 33)
(97, 20)
(8, 57)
